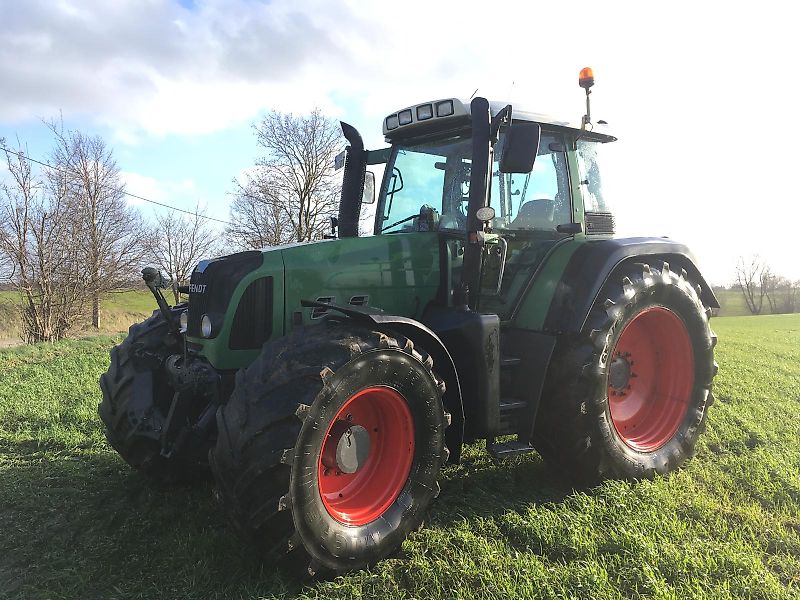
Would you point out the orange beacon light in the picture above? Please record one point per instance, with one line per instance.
(586, 78)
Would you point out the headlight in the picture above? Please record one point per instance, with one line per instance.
(205, 326)
(184, 320)
(424, 112)
(444, 109)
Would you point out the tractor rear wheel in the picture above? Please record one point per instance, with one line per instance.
(330, 446)
(629, 397)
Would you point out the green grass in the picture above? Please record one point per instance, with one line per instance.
(75, 522)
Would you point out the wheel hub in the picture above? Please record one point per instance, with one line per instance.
(619, 373)
(347, 448)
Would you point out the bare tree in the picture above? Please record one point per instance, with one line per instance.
(40, 257)
(294, 182)
(177, 243)
(111, 232)
(257, 220)
(753, 278)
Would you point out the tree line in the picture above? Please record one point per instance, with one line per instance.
(69, 237)
(763, 290)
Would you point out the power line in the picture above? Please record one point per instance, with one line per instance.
(119, 190)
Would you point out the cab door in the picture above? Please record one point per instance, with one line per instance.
(529, 209)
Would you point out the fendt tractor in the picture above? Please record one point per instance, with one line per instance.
(325, 385)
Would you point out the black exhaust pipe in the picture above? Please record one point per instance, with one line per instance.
(355, 167)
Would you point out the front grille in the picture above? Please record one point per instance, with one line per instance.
(252, 324)
(220, 277)
(599, 223)
(198, 303)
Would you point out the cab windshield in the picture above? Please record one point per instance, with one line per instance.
(426, 188)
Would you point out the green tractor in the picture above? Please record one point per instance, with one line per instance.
(325, 385)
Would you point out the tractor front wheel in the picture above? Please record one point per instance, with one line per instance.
(136, 401)
(629, 397)
(330, 446)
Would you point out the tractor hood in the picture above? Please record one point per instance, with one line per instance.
(251, 297)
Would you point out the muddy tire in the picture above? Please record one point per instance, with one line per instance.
(629, 397)
(136, 400)
(330, 446)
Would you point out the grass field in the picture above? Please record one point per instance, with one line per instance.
(75, 522)
(117, 312)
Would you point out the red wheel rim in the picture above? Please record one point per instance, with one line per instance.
(364, 495)
(651, 375)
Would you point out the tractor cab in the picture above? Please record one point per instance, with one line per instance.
(500, 185)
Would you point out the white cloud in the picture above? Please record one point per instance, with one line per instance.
(159, 68)
(142, 185)
(181, 194)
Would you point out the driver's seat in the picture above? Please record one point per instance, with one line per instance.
(535, 214)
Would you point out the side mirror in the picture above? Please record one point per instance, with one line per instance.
(368, 197)
(520, 146)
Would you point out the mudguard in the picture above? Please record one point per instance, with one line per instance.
(593, 263)
(433, 345)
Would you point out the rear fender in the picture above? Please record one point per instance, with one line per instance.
(426, 339)
(591, 266)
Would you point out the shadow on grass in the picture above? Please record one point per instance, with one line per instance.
(83, 524)
(482, 487)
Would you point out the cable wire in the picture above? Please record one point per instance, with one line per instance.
(24, 156)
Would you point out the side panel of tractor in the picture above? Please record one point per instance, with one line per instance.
(398, 274)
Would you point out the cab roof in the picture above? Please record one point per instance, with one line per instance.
(452, 112)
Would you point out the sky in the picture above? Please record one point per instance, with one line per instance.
(702, 95)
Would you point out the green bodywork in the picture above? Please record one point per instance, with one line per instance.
(398, 273)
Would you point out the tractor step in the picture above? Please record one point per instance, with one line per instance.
(507, 449)
(511, 410)
(509, 361)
